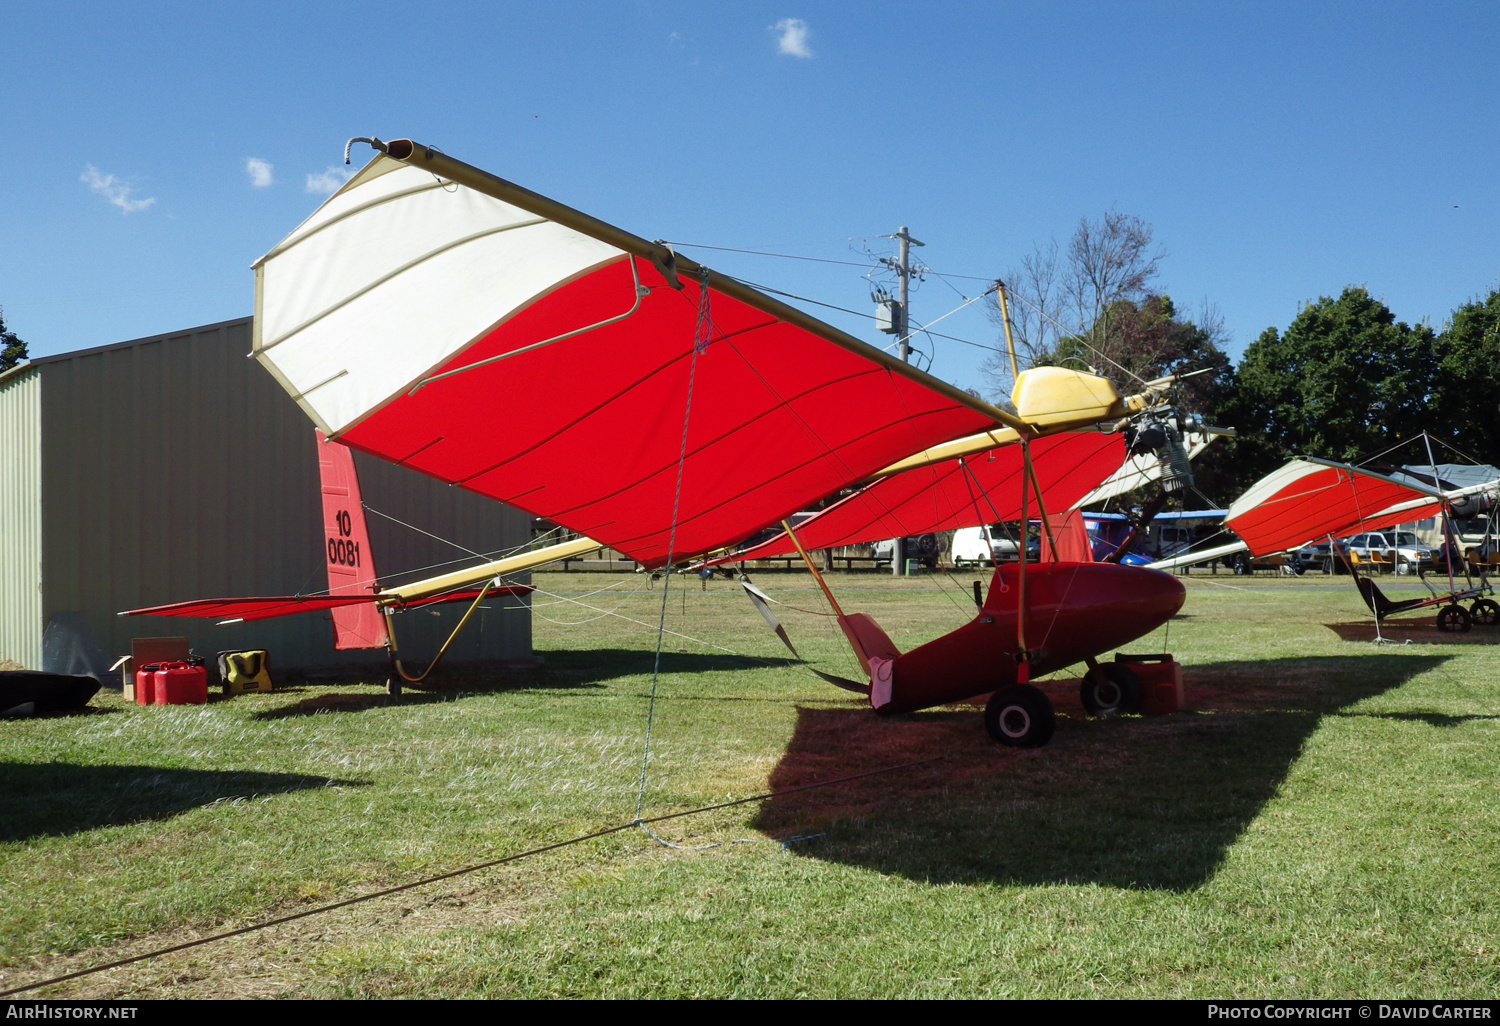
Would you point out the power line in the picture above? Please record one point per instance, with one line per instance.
(783, 256)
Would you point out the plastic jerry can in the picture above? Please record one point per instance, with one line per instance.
(145, 684)
(1161, 682)
(181, 684)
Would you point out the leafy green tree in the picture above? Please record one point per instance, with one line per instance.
(1467, 393)
(12, 349)
(1346, 380)
(1149, 339)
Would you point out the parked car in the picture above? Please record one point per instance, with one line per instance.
(972, 546)
(922, 547)
(1398, 548)
(1317, 557)
(1287, 562)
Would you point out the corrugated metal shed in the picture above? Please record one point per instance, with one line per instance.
(171, 468)
(21, 516)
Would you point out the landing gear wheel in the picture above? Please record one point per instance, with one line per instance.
(1111, 689)
(1454, 620)
(1485, 612)
(1020, 716)
(393, 685)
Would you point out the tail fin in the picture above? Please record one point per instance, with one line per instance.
(351, 570)
(1072, 540)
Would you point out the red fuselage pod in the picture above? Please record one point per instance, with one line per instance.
(1073, 611)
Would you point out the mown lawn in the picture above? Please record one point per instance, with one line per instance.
(1318, 823)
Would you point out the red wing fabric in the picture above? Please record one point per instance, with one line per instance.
(1308, 499)
(588, 433)
(975, 490)
(379, 312)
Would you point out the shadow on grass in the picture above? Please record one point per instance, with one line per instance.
(596, 665)
(55, 798)
(25, 712)
(1431, 719)
(1137, 802)
(1415, 630)
(581, 670)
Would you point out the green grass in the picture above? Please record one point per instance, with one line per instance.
(1318, 823)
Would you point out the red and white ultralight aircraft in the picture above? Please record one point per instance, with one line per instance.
(435, 316)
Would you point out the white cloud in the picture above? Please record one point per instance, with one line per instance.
(259, 172)
(792, 40)
(328, 181)
(114, 190)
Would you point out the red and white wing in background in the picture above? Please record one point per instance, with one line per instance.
(1310, 499)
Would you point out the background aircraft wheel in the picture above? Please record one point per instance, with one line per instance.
(1020, 716)
(1113, 688)
(1485, 612)
(393, 685)
(1454, 620)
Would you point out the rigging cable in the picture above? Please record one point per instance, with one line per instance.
(200, 941)
(702, 333)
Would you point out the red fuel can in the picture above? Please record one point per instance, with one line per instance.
(181, 684)
(1161, 682)
(145, 684)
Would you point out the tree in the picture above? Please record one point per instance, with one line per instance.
(1467, 393)
(1149, 339)
(1094, 307)
(12, 349)
(1345, 381)
(1056, 297)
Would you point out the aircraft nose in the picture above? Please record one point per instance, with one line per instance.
(1162, 593)
(1135, 601)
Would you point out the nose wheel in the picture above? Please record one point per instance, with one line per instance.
(1020, 716)
(1110, 688)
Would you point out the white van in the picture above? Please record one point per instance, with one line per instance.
(972, 547)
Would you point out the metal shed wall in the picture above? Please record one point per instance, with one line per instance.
(174, 468)
(21, 517)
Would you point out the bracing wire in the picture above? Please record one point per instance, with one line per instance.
(429, 534)
(857, 313)
(702, 332)
(438, 878)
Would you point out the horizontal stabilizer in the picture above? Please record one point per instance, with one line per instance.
(267, 607)
(260, 608)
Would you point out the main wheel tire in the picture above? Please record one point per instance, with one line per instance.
(1454, 620)
(1485, 612)
(1111, 689)
(1020, 716)
(393, 685)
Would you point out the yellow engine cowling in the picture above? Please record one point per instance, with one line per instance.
(1053, 396)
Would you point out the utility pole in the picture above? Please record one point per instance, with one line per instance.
(902, 325)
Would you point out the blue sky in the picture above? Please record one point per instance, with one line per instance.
(1281, 151)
